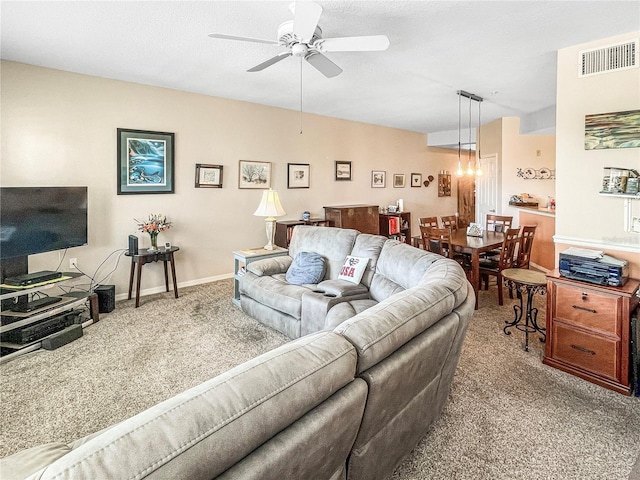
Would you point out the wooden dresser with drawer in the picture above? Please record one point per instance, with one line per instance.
(588, 330)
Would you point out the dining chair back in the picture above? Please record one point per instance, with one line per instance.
(508, 259)
(527, 232)
(429, 221)
(436, 240)
(498, 223)
(450, 221)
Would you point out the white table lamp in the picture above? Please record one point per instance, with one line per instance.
(270, 207)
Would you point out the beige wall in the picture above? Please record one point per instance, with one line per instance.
(59, 128)
(584, 217)
(502, 137)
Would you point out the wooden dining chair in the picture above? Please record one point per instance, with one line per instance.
(498, 223)
(508, 259)
(438, 240)
(429, 221)
(527, 232)
(450, 221)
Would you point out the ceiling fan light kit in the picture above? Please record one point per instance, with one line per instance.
(302, 36)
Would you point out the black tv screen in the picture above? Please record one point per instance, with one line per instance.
(41, 219)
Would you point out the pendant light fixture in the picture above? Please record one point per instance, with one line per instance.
(473, 168)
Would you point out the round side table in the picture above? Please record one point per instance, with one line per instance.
(528, 282)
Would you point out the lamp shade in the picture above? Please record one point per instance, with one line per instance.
(269, 205)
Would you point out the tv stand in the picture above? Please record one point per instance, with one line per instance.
(12, 320)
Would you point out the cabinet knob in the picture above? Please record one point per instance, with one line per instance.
(584, 295)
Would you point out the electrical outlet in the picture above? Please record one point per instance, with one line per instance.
(73, 263)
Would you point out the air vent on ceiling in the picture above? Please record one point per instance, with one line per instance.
(608, 59)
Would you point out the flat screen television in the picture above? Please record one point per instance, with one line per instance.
(37, 220)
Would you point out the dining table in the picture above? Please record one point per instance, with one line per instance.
(475, 246)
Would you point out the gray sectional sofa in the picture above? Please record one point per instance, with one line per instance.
(347, 401)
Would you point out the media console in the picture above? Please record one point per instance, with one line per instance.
(25, 331)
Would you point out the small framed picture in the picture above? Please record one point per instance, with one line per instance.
(254, 174)
(399, 180)
(416, 180)
(208, 176)
(298, 175)
(378, 179)
(145, 162)
(343, 170)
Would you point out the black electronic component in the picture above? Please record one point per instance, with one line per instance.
(106, 297)
(27, 279)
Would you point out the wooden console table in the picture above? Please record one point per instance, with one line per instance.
(145, 256)
(363, 218)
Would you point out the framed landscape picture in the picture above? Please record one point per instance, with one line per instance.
(298, 175)
(208, 176)
(254, 174)
(145, 162)
(378, 179)
(343, 170)
(399, 180)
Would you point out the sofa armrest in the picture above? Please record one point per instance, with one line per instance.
(270, 266)
(342, 288)
(315, 306)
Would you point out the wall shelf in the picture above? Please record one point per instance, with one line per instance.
(628, 220)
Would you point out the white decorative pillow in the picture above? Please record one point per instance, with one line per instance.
(353, 269)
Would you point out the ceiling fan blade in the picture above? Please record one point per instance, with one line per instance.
(271, 61)
(243, 39)
(323, 64)
(371, 43)
(305, 20)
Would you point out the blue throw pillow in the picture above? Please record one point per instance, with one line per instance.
(307, 267)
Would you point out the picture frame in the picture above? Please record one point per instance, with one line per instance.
(378, 178)
(343, 170)
(255, 175)
(416, 180)
(208, 176)
(399, 180)
(612, 130)
(298, 175)
(145, 162)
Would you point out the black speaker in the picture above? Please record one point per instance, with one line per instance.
(106, 297)
(133, 245)
(63, 337)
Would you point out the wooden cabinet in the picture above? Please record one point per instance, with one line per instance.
(363, 218)
(284, 229)
(588, 330)
(396, 225)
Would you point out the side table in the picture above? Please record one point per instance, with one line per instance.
(242, 258)
(145, 256)
(528, 282)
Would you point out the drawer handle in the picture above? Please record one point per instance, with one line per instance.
(578, 307)
(582, 349)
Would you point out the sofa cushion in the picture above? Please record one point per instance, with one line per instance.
(334, 244)
(345, 310)
(353, 269)
(369, 246)
(274, 292)
(307, 267)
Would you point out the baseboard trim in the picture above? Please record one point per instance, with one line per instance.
(190, 283)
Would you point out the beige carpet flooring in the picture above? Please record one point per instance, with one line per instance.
(508, 416)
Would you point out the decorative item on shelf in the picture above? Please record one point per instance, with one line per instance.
(523, 200)
(529, 173)
(473, 167)
(306, 216)
(270, 208)
(153, 226)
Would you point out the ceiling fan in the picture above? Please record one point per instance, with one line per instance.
(302, 37)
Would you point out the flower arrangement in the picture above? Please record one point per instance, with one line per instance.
(157, 223)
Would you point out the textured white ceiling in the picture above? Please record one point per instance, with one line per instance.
(437, 48)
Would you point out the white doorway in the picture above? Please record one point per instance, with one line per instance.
(488, 189)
